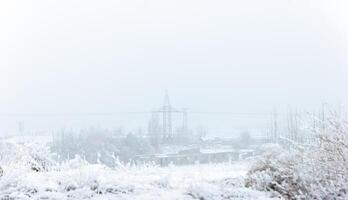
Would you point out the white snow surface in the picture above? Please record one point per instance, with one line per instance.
(129, 182)
(77, 179)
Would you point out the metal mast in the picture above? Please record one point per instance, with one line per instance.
(167, 112)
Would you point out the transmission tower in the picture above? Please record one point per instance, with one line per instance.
(167, 112)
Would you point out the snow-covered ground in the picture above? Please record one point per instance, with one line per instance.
(84, 181)
(77, 179)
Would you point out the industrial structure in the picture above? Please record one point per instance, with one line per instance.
(192, 156)
(163, 127)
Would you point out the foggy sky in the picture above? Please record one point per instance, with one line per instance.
(112, 56)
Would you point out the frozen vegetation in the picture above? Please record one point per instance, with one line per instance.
(30, 173)
(315, 170)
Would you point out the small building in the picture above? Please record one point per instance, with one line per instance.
(190, 156)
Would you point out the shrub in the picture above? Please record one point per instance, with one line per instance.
(319, 172)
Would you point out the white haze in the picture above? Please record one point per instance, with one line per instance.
(118, 56)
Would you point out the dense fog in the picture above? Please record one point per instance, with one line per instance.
(150, 99)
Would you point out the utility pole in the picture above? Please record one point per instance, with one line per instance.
(275, 128)
(167, 117)
(184, 120)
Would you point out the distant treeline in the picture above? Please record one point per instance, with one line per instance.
(99, 146)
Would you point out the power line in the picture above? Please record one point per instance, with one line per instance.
(230, 113)
(71, 114)
(131, 113)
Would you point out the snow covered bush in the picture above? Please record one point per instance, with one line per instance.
(318, 172)
(327, 163)
(276, 171)
(27, 156)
